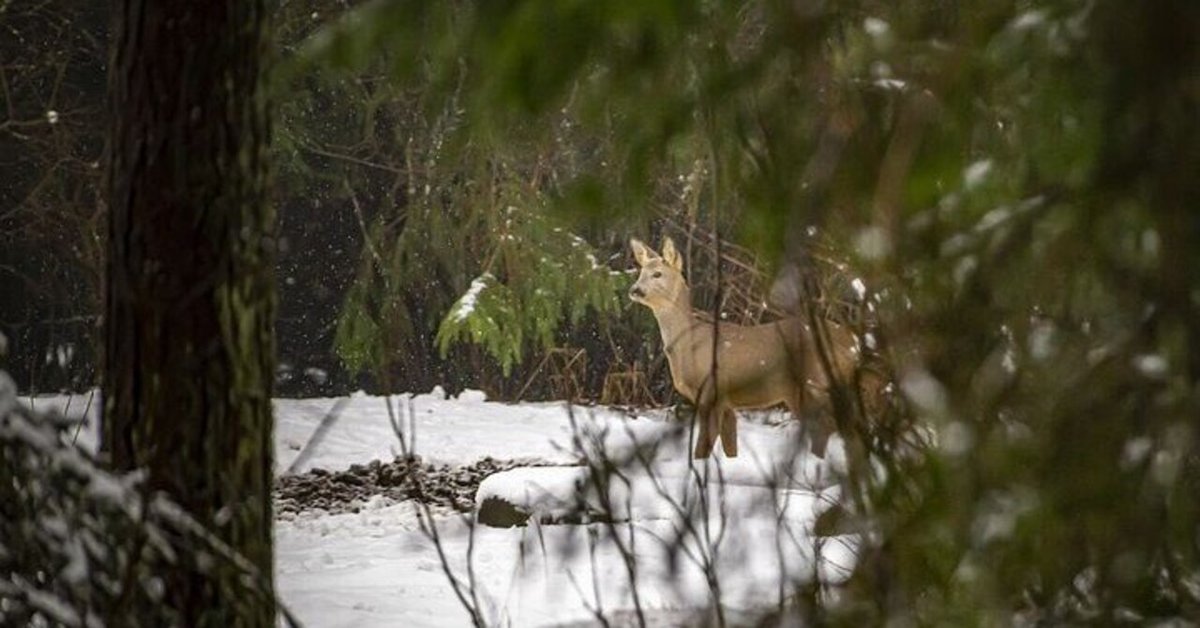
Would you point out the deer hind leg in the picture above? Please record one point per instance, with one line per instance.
(729, 432)
(818, 425)
(822, 429)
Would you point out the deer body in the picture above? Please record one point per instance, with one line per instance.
(757, 366)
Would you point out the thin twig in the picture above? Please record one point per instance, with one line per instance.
(86, 410)
(469, 598)
(318, 435)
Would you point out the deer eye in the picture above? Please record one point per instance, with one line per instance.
(657, 274)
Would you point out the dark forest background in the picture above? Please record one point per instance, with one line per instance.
(386, 216)
(1014, 183)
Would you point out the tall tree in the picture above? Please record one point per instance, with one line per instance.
(190, 296)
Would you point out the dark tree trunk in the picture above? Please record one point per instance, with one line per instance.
(190, 296)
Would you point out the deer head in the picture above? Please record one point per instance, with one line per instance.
(661, 284)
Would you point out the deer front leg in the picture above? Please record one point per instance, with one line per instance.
(706, 435)
(729, 432)
(707, 418)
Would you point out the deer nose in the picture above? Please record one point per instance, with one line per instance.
(636, 292)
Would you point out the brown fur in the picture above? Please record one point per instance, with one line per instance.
(756, 366)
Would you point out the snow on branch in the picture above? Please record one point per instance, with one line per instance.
(82, 546)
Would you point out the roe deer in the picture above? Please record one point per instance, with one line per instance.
(757, 366)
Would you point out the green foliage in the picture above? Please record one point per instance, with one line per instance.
(487, 314)
(378, 315)
(430, 185)
(359, 341)
(1017, 181)
(551, 277)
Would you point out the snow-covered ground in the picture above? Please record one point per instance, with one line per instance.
(377, 568)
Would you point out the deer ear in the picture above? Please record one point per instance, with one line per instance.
(671, 255)
(642, 253)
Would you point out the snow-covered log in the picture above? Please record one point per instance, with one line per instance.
(661, 491)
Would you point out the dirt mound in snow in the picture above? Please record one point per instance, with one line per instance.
(346, 491)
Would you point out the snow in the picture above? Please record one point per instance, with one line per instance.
(976, 173)
(532, 576)
(316, 375)
(49, 604)
(876, 27)
(376, 567)
(860, 288)
(466, 305)
(472, 396)
(891, 84)
(547, 492)
(873, 243)
(1151, 365)
(449, 431)
(993, 219)
(1029, 20)
(655, 491)
(1135, 451)
(956, 439)
(925, 391)
(8, 392)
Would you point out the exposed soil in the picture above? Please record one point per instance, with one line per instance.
(401, 479)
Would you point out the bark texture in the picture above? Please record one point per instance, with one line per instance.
(190, 296)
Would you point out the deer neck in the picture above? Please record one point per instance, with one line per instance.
(675, 320)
